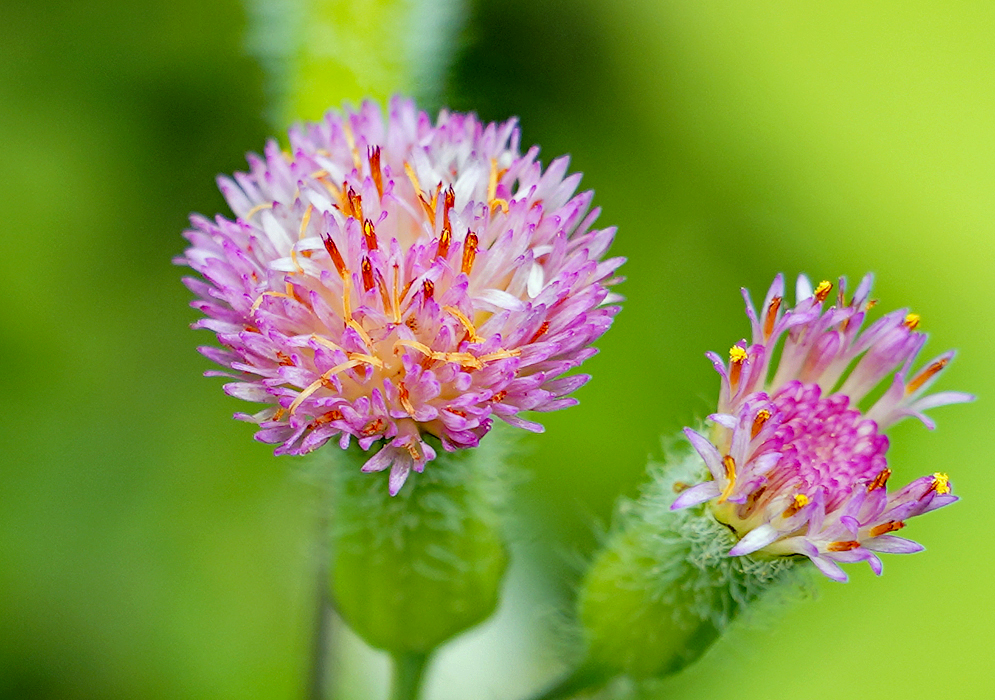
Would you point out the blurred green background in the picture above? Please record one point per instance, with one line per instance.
(149, 548)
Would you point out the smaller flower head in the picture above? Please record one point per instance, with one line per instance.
(391, 278)
(797, 466)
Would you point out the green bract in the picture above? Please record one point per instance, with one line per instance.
(412, 570)
(663, 588)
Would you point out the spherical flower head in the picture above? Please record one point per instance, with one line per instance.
(797, 466)
(385, 280)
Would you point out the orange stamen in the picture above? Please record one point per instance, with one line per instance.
(775, 304)
(889, 526)
(373, 154)
(763, 415)
(335, 255)
(370, 234)
(880, 481)
(367, 270)
(469, 252)
(925, 375)
(541, 332)
(843, 545)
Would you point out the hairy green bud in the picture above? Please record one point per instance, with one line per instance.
(412, 570)
(663, 588)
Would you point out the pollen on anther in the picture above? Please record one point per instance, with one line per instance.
(822, 290)
(799, 502)
(941, 483)
(737, 355)
(911, 321)
(763, 415)
(370, 234)
(880, 481)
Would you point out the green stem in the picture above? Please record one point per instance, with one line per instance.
(409, 667)
(584, 677)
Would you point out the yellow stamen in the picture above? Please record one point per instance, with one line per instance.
(320, 382)
(259, 299)
(305, 220)
(362, 332)
(801, 500)
(396, 299)
(911, 321)
(403, 397)
(325, 341)
(470, 330)
(941, 483)
(730, 466)
(822, 290)
(737, 356)
(256, 209)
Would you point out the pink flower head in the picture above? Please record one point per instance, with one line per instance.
(385, 280)
(797, 466)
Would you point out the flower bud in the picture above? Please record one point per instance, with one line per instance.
(410, 571)
(663, 588)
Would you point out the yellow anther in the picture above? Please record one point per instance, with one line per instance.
(763, 415)
(801, 500)
(730, 466)
(737, 354)
(941, 483)
(822, 290)
(911, 321)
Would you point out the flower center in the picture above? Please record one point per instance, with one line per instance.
(825, 444)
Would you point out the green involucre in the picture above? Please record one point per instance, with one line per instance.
(410, 571)
(663, 588)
